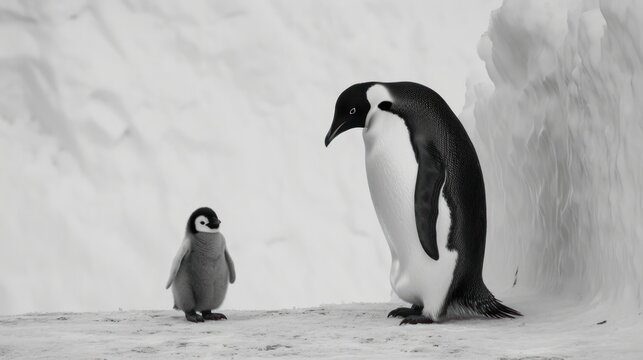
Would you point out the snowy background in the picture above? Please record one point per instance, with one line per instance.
(118, 118)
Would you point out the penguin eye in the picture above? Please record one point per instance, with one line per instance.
(202, 222)
(353, 110)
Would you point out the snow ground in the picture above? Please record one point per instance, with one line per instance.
(551, 329)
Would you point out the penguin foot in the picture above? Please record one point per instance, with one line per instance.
(193, 316)
(417, 319)
(406, 312)
(207, 315)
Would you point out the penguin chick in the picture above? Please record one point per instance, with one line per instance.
(201, 268)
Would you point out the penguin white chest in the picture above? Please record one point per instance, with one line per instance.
(391, 169)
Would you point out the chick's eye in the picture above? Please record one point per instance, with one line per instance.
(202, 222)
(353, 110)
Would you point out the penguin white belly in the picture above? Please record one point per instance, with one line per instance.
(391, 170)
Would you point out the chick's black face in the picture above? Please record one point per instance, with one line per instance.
(211, 219)
(350, 111)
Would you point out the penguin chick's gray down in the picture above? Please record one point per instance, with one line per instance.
(201, 268)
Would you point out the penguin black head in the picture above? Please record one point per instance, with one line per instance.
(350, 110)
(203, 220)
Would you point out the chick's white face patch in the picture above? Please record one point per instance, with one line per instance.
(201, 225)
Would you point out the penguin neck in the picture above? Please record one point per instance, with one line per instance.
(375, 95)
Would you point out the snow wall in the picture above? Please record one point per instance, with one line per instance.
(559, 129)
(117, 119)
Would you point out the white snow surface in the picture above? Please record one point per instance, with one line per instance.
(119, 118)
(359, 331)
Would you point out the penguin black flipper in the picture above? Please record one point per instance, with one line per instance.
(428, 183)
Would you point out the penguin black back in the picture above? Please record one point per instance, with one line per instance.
(446, 141)
(436, 133)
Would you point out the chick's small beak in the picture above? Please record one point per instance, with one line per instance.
(214, 224)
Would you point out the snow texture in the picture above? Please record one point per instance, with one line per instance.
(559, 129)
(119, 118)
(359, 331)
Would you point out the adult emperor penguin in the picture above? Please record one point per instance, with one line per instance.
(427, 189)
(201, 268)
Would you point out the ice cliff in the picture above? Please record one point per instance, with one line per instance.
(559, 129)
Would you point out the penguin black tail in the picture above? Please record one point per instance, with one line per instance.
(482, 302)
(494, 308)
